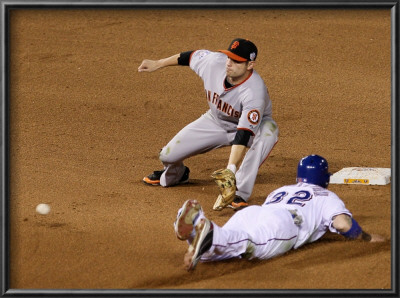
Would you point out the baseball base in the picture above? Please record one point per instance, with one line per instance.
(363, 176)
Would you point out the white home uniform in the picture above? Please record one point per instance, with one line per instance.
(290, 217)
(245, 106)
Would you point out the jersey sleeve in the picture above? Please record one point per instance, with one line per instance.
(199, 61)
(253, 109)
(333, 206)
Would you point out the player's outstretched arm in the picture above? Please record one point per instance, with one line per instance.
(350, 229)
(153, 65)
(236, 155)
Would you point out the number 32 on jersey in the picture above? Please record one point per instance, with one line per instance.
(298, 198)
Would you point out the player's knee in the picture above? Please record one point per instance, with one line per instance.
(162, 156)
(166, 156)
(271, 129)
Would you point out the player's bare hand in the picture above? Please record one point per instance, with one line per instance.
(148, 66)
(377, 238)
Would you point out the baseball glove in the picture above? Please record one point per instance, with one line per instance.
(226, 182)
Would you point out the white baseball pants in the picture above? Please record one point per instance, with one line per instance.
(205, 134)
(265, 232)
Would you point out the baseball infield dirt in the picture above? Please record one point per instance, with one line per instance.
(86, 127)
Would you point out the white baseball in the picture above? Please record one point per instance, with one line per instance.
(43, 208)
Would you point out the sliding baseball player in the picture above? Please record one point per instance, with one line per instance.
(290, 217)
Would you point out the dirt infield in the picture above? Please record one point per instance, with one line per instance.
(86, 127)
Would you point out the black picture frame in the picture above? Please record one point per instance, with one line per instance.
(7, 6)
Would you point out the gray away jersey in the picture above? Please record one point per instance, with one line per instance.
(242, 106)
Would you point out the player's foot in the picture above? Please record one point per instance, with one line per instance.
(185, 177)
(186, 219)
(201, 243)
(238, 203)
(154, 178)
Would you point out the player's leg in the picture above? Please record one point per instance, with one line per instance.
(254, 232)
(275, 234)
(200, 136)
(213, 243)
(262, 145)
(270, 232)
(234, 238)
(207, 241)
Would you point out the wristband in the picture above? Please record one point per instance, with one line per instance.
(354, 231)
(232, 167)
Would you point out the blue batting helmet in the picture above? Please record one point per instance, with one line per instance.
(313, 169)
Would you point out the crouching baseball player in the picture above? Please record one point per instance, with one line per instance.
(290, 217)
(240, 116)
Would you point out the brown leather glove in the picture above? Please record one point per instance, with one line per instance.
(226, 182)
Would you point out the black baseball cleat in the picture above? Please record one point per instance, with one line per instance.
(154, 178)
(202, 241)
(238, 203)
(185, 178)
